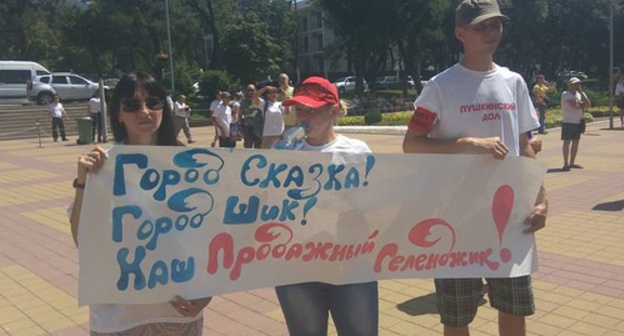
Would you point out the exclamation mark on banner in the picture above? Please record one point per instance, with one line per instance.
(501, 210)
(370, 163)
(308, 205)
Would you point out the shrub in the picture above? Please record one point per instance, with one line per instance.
(213, 80)
(372, 117)
(351, 121)
(396, 119)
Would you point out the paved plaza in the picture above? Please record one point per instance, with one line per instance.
(579, 287)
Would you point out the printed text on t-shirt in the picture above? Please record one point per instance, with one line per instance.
(487, 107)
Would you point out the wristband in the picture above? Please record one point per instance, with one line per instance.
(77, 185)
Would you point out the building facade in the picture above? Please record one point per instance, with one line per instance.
(313, 41)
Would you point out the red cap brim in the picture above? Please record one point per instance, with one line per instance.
(305, 101)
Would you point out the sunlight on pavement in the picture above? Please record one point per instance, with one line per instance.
(29, 305)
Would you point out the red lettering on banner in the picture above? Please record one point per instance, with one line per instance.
(268, 234)
(273, 241)
(422, 235)
(430, 261)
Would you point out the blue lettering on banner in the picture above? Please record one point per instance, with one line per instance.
(199, 170)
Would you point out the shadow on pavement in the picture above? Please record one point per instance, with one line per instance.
(556, 170)
(610, 206)
(421, 305)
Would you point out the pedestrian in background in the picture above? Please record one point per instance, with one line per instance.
(222, 118)
(248, 111)
(139, 116)
(573, 103)
(169, 101)
(540, 93)
(213, 107)
(439, 126)
(95, 109)
(619, 96)
(182, 113)
(57, 113)
(273, 114)
(286, 92)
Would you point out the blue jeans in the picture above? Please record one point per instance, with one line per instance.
(354, 308)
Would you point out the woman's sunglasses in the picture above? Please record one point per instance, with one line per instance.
(134, 105)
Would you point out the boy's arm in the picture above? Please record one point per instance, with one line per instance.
(537, 218)
(417, 139)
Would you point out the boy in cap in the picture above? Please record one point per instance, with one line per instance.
(479, 107)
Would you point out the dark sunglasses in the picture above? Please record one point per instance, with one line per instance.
(316, 91)
(134, 105)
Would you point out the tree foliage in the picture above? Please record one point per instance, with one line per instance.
(250, 39)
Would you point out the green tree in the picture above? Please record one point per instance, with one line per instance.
(254, 45)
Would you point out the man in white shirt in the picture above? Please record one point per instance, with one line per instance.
(182, 112)
(57, 113)
(95, 109)
(222, 118)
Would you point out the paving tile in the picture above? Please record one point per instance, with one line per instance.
(579, 288)
(588, 329)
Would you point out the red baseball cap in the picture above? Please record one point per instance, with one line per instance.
(314, 92)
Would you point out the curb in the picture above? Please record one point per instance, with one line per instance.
(401, 130)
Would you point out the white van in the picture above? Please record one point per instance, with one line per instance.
(14, 76)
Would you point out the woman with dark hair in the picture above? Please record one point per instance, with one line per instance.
(139, 116)
(125, 93)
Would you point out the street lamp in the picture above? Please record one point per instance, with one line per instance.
(611, 64)
(170, 48)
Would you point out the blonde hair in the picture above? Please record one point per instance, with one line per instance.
(342, 108)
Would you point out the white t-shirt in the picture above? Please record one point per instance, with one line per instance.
(223, 114)
(619, 89)
(273, 118)
(56, 110)
(94, 105)
(460, 102)
(340, 144)
(180, 110)
(214, 104)
(571, 115)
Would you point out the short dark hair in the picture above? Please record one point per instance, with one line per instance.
(127, 87)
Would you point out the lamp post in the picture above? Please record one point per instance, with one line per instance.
(611, 64)
(169, 45)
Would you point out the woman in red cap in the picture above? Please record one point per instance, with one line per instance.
(354, 307)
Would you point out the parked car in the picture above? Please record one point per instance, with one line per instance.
(392, 82)
(14, 77)
(67, 86)
(347, 84)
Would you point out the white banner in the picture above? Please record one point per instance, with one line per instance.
(161, 221)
